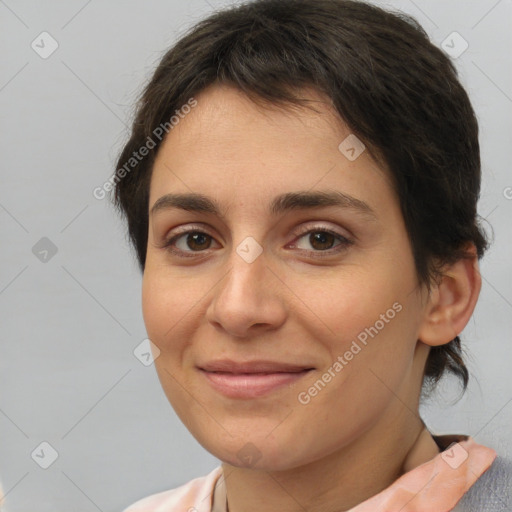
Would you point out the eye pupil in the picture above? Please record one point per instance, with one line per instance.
(320, 237)
(194, 236)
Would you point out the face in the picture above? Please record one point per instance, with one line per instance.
(286, 321)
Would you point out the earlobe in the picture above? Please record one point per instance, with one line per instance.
(452, 301)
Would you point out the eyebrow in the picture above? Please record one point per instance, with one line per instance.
(283, 203)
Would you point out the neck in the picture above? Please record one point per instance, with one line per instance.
(397, 443)
(335, 483)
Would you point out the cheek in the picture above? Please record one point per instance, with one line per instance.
(347, 303)
(164, 309)
(370, 321)
(153, 300)
(164, 306)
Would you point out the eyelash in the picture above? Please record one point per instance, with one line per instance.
(343, 245)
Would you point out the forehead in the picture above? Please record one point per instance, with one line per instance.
(226, 117)
(230, 143)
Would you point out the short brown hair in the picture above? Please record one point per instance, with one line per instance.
(397, 92)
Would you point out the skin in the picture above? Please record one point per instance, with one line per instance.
(362, 430)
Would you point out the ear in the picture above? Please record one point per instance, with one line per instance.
(452, 301)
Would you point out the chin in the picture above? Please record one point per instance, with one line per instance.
(266, 453)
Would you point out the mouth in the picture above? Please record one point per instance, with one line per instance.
(251, 379)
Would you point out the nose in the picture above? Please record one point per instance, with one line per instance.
(248, 299)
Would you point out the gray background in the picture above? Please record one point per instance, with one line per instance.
(69, 324)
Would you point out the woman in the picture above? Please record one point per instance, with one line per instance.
(300, 187)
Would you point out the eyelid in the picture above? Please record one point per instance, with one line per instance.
(181, 231)
(319, 226)
(344, 242)
(313, 226)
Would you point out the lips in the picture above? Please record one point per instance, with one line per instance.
(251, 379)
(229, 366)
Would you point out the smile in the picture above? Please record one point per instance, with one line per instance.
(251, 380)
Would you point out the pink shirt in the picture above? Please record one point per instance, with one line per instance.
(435, 486)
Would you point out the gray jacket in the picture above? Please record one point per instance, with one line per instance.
(492, 492)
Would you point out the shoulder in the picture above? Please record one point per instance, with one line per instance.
(492, 492)
(194, 496)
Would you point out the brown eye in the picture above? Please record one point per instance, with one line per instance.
(321, 240)
(317, 241)
(197, 241)
(189, 242)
